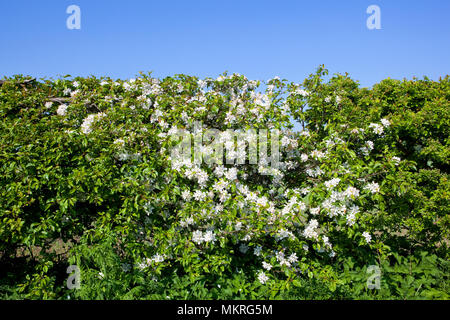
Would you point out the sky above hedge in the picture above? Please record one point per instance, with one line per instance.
(260, 39)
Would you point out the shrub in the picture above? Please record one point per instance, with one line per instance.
(89, 178)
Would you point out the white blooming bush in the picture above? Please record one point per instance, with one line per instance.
(89, 163)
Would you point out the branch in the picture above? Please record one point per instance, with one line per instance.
(59, 99)
(22, 82)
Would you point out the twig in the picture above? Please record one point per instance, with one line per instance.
(23, 82)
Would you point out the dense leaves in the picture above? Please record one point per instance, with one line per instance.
(89, 179)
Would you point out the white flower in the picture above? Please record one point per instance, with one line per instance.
(257, 251)
(301, 206)
(283, 234)
(285, 263)
(330, 184)
(304, 157)
(314, 211)
(201, 83)
(309, 231)
(385, 122)
(302, 92)
(120, 142)
(305, 133)
(186, 222)
(378, 129)
(262, 201)
(158, 258)
(209, 236)
(101, 275)
(186, 195)
(123, 156)
(62, 110)
(364, 151)
(262, 277)
(247, 237)
(285, 141)
(317, 154)
(220, 186)
(48, 104)
(219, 171)
(351, 192)
(326, 241)
(293, 258)
(396, 160)
(231, 174)
(351, 215)
(367, 236)
(201, 176)
(304, 191)
(373, 187)
(266, 266)
(197, 237)
(199, 195)
(87, 123)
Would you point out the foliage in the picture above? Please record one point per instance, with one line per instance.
(89, 179)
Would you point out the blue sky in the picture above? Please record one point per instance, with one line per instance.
(260, 39)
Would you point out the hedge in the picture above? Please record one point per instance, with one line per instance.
(89, 179)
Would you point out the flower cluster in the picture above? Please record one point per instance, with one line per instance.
(312, 194)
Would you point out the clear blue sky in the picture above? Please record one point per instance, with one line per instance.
(260, 39)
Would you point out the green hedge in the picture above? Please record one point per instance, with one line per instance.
(88, 179)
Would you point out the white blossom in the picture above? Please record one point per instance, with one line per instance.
(396, 160)
(257, 251)
(62, 110)
(310, 231)
(330, 184)
(262, 277)
(266, 266)
(158, 258)
(378, 129)
(293, 258)
(209, 236)
(352, 192)
(385, 122)
(367, 236)
(197, 237)
(90, 119)
(373, 187)
(304, 157)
